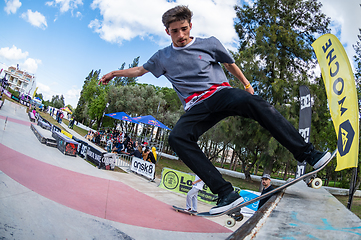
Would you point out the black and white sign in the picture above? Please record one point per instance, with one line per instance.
(142, 167)
(94, 155)
(304, 126)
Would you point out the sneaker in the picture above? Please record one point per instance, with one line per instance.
(227, 202)
(193, 211)
(317, 159)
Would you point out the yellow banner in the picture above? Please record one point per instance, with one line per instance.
(342, 98)
(181, 182)
(67, 134)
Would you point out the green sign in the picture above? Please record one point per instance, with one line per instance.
(181, 182)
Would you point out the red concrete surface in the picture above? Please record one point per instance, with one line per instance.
(99, 197)
(27, 123)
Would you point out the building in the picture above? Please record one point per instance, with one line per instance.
(20, 81)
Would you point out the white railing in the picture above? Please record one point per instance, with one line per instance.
(123, 160)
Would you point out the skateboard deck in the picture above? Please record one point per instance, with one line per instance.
(235, 211)
(183, 210)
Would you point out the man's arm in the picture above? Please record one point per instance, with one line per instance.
(234, 69)
(130, 72)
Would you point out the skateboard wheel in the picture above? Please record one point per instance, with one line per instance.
(230, 222)
(239, 218)
(316, 183)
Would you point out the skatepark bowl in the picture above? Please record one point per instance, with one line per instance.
(45, 194)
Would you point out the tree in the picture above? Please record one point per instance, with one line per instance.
(172, 100)
(80, 112)
(94, 96)
(276, 55)
(123, 81)
(57, 102)
(39, 95)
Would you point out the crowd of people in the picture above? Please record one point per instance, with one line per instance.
(120, 143)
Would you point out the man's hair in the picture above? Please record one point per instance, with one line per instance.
(178, 13)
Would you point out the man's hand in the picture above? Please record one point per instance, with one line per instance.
(250, 90)
(106, 78)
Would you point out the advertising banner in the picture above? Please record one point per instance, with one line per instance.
(247, 196)
(66, 134)
(143, 168)
(94, 155)
(82, 147)
(304, 126)
(181, 182)
(342, 97)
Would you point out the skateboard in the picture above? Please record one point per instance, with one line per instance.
(235, 212)
(183, 210)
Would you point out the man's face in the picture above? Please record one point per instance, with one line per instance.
(180, 33)
(266, 182)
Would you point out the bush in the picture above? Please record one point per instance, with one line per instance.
(15, 93)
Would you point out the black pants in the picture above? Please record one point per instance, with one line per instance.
(228, 102)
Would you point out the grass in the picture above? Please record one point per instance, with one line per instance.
(80, 131)
(355, 206)
(50, 119)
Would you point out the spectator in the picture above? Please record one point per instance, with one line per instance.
(148, 156)
(118, 147)
(137, 153)
(89, 136)
(61, 115)
(109, 144)
(267, 187)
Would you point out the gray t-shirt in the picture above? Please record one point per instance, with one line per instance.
(193, 70)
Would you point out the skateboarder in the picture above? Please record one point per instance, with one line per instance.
(191, 200)
(192, 65)
(267, 187)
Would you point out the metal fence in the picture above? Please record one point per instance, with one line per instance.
(123, 160)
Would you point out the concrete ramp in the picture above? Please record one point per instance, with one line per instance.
(303, 213)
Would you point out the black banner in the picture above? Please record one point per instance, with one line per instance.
(304, 126)
(94, 155)
(82, 147)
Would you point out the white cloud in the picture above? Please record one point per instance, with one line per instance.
(72, 95)
(79, 15)
(35, 18)
(65, 5)
(11, 6)
(45, 90)
(345, 19)
(31, 65)
(13, 53)
(125, 20)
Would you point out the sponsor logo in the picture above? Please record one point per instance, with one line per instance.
(305, 133)
(345, 138)
(171, 180)
(305, 101)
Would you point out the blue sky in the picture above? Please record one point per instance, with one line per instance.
(61, 41)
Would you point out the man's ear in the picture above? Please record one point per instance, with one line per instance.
(167, 31)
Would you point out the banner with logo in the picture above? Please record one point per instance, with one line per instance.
(342, 98)
(143, 168)
(94, 155)
(248, 195)
(304, 125)
(181, 182)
